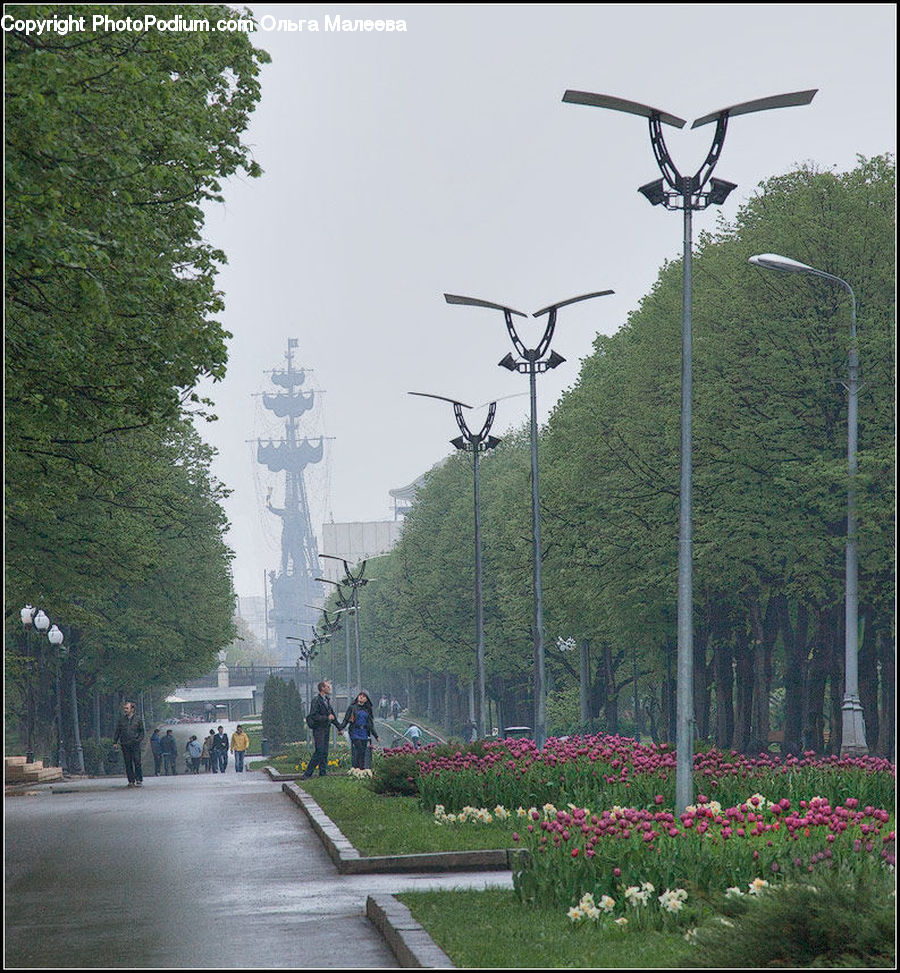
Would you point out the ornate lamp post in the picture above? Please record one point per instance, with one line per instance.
(354, 582)
(27, 616)
(533, 361)
(687, 193)
(55, 637)
(853, 728)
(474, 443)
(345, 604)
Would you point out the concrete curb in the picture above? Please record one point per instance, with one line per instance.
(277, 775)
(350, 862)
(408, 940)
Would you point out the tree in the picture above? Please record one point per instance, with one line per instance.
(114, 142)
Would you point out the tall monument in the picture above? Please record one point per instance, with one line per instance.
(294, 586)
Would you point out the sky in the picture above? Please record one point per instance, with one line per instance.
(400, 166)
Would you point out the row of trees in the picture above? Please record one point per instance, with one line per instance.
(114, 143)
(770, 493)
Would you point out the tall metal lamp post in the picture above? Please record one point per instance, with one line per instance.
(345, 604)
(475, 443)
(687, 193)
(55, 637)
(328, 627)
(853, 728)
(533, 361)
(27, 615)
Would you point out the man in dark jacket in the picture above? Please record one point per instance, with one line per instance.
(321, 716)
(219, 750)
(129, 736)
(169, 752)
(156, 750)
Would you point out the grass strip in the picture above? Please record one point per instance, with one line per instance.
(492, 928)
(379, 825)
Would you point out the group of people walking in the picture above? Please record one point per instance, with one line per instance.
(386, 708)
(211, 754)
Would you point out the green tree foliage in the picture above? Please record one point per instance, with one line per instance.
(770, 490)
(114, 142)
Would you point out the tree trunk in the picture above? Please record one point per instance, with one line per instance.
(795, 669)
(819, 669)
(868, 679)
(722, 673)
(701, 677)
(744, 679)
(887, 721)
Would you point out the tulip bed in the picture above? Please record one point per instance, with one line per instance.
(599, 818)
(602, 771)
(709, 852)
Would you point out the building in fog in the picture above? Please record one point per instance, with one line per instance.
(355, 542)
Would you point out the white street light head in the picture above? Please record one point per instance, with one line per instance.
(55, 635)
(41, 621)
(774, 261)
(27, 614)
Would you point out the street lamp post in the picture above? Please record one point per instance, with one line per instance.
(329, 626)
(475, 443)
(853, 729)
(533, 361)
(687, 193)
(27, 616)
(354, 582)
(345, 604)
(55, 636)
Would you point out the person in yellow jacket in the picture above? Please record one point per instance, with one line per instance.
(239, 744)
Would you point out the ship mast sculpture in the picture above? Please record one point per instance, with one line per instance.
(294, 587)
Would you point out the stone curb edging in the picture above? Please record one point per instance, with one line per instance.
(277, 775)
(408, 940)
(350, 862)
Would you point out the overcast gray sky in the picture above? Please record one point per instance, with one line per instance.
(402, 165)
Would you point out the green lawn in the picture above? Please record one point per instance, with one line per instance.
(377, 825)
(493, 929)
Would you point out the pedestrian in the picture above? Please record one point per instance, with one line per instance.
(156, 750)
(169, 752)
(204, 754)
(383, 707)
(361, 720)
(320, 718)
(395, 708)
(239, 744)
(192, 754)
(210, 744)
(414, 733)
(129, 736)
(220, 749)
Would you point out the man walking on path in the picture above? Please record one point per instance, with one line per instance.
(220, 749)
(239, 744)
(129, 736)
(210, 744)
(320, 718)
(169, 753)
(156, 750)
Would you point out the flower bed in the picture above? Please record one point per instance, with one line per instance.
(707, 851)
(601, 771)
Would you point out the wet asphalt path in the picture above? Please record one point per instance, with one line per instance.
(190, 872)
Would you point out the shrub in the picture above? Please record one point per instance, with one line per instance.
(830, 921)
(100, 757)
(396, 773)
